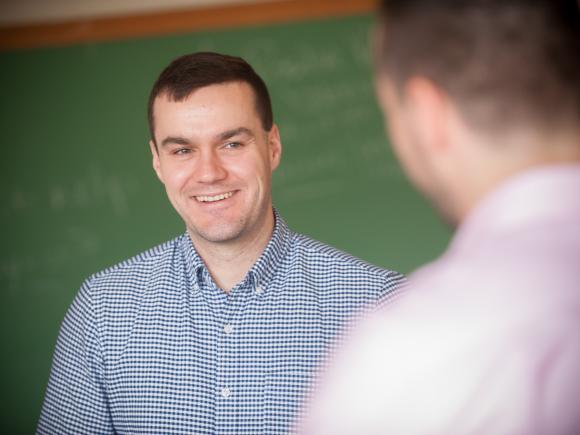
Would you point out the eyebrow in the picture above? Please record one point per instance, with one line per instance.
(174, 140)
(177, 140)
(234, 132)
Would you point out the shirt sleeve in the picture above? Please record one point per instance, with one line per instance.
(394, 288)
(76, 398)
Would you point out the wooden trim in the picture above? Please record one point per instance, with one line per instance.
(177, 21)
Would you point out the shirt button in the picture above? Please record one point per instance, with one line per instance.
(226, 392)
(228, 329)
(259, 289)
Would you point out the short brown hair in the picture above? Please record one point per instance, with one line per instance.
(503, 61)
(197, 70)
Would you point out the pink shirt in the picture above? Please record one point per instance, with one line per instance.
(487, 338)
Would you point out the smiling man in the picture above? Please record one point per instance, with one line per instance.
(220, 330)
(215, 158)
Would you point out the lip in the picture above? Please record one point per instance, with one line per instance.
(214, 197)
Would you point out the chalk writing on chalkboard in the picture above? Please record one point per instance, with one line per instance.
(36, 269)
(94, 187)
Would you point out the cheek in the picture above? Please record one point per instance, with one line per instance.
(175, 176)
(406, 160)
(397, 139)
(264, 175)
(253, 169)
(405, 150)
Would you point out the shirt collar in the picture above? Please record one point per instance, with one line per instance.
(193, 262)
(265, 268)
(532, 196)
(261, 273)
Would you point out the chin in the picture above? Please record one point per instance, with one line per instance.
(218, 233)
(443, 206)
(446, 212)
(448, 218)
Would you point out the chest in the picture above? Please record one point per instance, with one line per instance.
(232, 366)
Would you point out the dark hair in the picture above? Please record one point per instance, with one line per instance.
(197, 70)
(503, 61)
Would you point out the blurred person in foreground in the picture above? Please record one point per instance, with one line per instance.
(482, 102)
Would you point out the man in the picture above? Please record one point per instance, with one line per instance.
(482, 100)
(219, 330)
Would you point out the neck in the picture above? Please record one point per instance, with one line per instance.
(495, 163)
(229, 262)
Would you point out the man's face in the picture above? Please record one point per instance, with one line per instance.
(216, 162)
(399, 123)
(414, 131)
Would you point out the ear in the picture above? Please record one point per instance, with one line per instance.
(274, 147)
(156, 162)
(429, 114)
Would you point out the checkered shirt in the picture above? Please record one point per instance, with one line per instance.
(152, 346)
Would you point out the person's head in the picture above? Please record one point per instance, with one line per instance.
(190, 72)
(475, 90)
(215, 146)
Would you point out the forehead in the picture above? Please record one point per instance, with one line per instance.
(218, 105)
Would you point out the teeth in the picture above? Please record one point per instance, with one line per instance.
(206, 198)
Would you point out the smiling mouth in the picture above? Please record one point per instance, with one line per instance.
(214, 198)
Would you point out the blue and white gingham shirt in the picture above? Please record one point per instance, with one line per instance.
(152, 346)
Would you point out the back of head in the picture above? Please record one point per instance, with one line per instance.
(193, 71)
(505, 63)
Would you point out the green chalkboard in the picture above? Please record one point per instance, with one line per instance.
(78, 192)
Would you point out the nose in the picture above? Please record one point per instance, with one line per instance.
(209, 168)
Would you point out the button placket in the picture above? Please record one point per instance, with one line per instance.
(229, 359)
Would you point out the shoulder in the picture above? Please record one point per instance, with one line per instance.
(322, 260)
(320, 252)
(115, 295)
(139, 268)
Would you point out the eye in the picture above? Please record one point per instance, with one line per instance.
(232, 145)
(181, 151)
